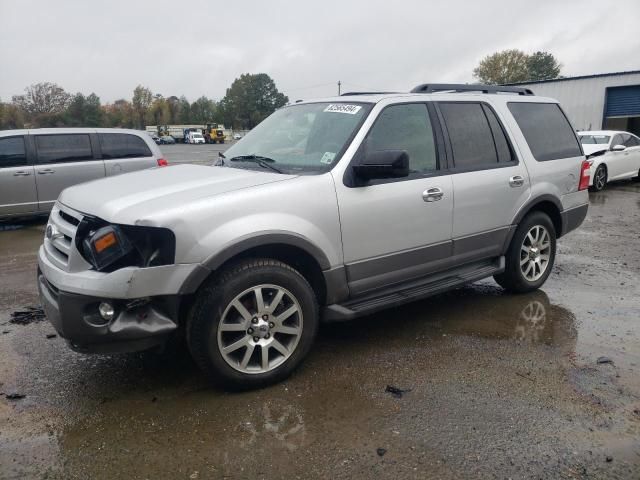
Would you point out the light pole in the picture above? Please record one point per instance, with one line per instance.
(339, 84)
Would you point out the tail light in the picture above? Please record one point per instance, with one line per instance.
(162, 162)
(584, 175)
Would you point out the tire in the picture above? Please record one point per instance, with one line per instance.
(599, 179)
(526, 270)
(637, 177)
(215, 323)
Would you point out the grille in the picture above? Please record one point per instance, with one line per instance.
(63, 223)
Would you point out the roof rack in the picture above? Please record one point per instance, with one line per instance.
(365, 93)
(463, 87)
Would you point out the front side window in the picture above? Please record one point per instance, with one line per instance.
(617, 140)
(303, 139)
(12, 153)
(406, 127)
(470, 135)
(629, 140)
(122, 145)
(63, 148)
(546, 129)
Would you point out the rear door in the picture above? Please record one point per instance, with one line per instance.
(125, 152)
(631, 158)
(63, 160)
(490, 184)
(17, 178)
(616, 160)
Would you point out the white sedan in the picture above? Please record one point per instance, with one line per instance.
(620, 158)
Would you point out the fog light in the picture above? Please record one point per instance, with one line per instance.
(107, 311)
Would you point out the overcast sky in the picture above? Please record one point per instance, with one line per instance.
(194, 48)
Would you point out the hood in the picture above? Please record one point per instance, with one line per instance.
(590, 148)
(133, 197)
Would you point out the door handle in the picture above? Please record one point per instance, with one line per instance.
(21, 173)
(516, 181)
(432, 194)
(46, 171)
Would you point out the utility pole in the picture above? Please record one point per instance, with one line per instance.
(339, 83)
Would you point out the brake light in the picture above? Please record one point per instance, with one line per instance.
(162, 162)
(584, 175)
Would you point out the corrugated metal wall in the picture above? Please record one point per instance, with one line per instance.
(584, 98)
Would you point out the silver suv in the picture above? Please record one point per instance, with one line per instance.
(36, 165)
(328, 210)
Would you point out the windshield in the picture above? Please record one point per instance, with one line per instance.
(594, 139)
(197, 135)
(301, 139)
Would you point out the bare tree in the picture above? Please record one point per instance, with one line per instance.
(43, 98)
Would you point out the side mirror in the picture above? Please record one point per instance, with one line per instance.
(618, 148)
(383, 164)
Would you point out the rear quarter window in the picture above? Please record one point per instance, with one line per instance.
(123, 145)
(546, 129)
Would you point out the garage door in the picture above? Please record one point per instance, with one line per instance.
(623, 101)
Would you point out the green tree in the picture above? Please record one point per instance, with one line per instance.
(203, 110)
(159, 111)
(11, 116)
(84, 111)
(543, 66)
(184, 111)
(120, 114)
(250, 99)
(508, 66)
(173, 104)
(142, 100)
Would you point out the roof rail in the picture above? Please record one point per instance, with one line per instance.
(464, 87)
(365, 93)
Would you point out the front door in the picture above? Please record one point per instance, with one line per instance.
(397, 229)
(63, 160)
(17, 178)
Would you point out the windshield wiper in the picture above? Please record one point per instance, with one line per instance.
(264, 162)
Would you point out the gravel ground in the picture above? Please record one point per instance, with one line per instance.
(501, 386)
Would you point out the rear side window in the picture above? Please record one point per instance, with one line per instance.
(122, 145)
(546, 129)
(406, 127)
(63, 148)
(12, 152)
(470, 135)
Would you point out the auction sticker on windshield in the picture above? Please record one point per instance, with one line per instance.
(343, 108)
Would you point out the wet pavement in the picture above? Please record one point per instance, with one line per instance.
(501, 386)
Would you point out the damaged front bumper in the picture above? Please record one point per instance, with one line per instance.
(145, 303)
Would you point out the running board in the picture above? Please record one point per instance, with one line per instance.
(412, 291)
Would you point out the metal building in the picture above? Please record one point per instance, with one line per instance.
(608, 101)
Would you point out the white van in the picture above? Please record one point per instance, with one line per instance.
(195, 137)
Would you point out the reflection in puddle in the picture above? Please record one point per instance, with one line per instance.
(276, 423)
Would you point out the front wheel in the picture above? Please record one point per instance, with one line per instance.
(253, 325)
(530, 256)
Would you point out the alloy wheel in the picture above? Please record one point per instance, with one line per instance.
(260, 329)
(535, 253)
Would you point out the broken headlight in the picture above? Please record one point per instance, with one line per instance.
(109, 247)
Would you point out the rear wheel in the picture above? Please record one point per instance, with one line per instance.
(599, 178)
(531, 254)
(254, 324)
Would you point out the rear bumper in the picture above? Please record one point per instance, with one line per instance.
(573, 218)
